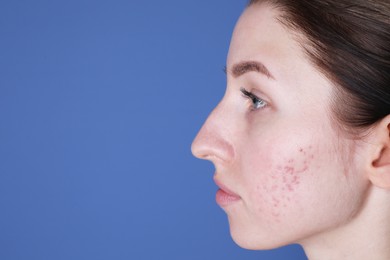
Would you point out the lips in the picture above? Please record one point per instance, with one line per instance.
(225, 196)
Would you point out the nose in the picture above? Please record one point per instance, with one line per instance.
(214, 140)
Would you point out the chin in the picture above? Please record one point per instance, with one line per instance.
(255, 244)
(255, 241)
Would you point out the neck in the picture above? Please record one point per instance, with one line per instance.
(366, 236)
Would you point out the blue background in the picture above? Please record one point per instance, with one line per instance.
(99, 103)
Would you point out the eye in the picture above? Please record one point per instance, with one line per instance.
(257, 103)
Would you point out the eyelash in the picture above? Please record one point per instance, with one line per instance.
(256, 102)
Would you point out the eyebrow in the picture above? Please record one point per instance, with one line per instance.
(241, 68)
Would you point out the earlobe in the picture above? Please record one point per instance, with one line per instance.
(379, 168)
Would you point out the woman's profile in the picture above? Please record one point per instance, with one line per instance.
(301, 139)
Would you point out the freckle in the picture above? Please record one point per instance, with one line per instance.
(289, 187)
(301, 150)
(291, 160)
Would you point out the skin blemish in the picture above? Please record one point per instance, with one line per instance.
(289, 170)
(292, 169)
(275, 201)
(285, 180)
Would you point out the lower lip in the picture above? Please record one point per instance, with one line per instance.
(225, 199)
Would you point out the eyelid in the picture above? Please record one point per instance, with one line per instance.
(249, 95)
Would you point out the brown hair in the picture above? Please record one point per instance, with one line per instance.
(349, 41)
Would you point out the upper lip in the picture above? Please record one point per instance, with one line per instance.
(224, 188)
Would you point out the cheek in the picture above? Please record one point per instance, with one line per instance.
(277, 188)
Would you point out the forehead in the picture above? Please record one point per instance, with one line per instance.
(259, 35)
(258, 32)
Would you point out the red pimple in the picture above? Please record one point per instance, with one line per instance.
(289, 169)
(295, 179)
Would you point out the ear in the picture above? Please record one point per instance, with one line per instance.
(379, 168)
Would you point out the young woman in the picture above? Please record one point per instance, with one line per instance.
(301, 139)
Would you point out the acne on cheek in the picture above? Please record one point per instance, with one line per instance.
(285, 180)
(291, 170)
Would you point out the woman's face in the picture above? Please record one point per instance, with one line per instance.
(286, 173)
